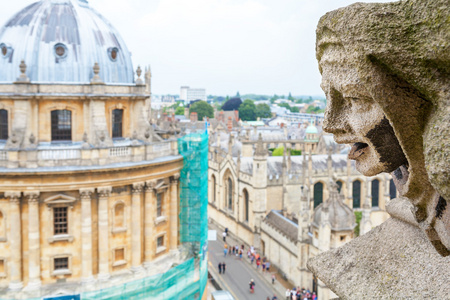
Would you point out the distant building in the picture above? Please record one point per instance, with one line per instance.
(188, 94)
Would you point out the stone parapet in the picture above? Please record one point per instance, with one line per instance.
(75, 155)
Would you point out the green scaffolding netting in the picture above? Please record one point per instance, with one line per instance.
(187, 280)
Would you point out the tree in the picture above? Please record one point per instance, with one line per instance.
(290, 97)
(314, 110)
(278, 151)
(263, 111)
(247, 110)
(232, 104)
(203, 109)
(179, 111)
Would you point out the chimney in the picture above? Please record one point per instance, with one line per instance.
(230, 124)
(194, 117)
(282, 125)
(221, 117)
(164, 116)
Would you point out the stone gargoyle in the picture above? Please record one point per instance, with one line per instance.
(386, 74)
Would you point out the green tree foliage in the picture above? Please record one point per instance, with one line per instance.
(358, 215)
(291, 108)
(290, 97)
(263, 111)
(278, 151)
(247, 110)
(232, 104)
(179, 111)
(203, 109)
(237, 95)
(314, 110)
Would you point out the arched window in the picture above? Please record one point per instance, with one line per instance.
(3, 124)
(117, 123)
(356, 194)
(119, 215)
(61, 125)
(246, 205)
(375, 192)
(392, 189)
(318, 194)
(213, 188)
(230, 193)
(339, 183)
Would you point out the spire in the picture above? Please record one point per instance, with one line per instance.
(260, 150)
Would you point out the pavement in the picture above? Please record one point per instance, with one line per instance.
(239, 273)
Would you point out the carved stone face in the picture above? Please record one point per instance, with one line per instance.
(356, 119)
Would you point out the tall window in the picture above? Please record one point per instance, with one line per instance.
(246, 205)
(356, 194)
(213, 183)
(392, 189)
(339, 183)
(117, 120)
(3, 124)
(61, 125)
(159, 198)
(230, 194)
(318, 194)
(375, 192)
(60, 220)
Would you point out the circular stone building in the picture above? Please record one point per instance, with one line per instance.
(88, 189)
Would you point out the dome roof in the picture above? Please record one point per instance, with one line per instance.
(311, 129)
(340, 216)
(60, 41)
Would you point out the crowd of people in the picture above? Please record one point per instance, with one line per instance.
(264, 265)
(300, 294)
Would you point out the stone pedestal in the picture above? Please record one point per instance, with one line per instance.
(103, 233)
(86, 235)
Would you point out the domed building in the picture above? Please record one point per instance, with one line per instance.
(89, 189)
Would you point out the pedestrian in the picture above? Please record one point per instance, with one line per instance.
(224, 235)
(224, 267)
(273, 278)
(240, 254)
(274, 297)
(237, 250)
(268, 298)
(314, 296)
(263, 267)
(288, 294)
(267, 266)
(258, 262)
(233, 249)
(225, 250)
(220, 268)
(226, 231)
(252, 259)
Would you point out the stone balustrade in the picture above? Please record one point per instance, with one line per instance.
(71, 155)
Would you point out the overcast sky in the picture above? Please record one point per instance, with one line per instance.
(250, 46)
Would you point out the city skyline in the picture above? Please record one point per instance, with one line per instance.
(224, 46)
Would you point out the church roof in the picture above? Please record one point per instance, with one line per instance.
(282, 224)
(60, 41)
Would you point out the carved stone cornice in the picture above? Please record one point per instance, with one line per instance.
(150, 186)
(175, 178)
(32, 196)
(137, 187)
(14, 196)
(104, 191)
(86, 194)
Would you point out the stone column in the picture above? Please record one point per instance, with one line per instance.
(86, 235)
(103, 232)
(15, 237)
(136, 227)
(149, 222)
(174, 211)
(34, 246)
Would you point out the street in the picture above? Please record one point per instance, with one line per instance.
(238, 274)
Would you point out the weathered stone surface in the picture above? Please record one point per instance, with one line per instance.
(385, 69)
(392, 261)
(386, 73)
